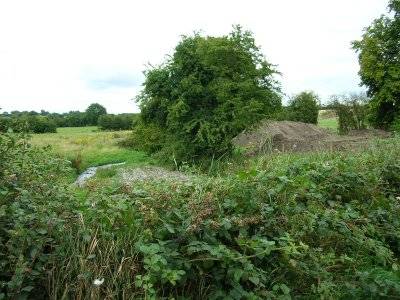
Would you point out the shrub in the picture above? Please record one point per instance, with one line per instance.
(304, 107)
(210, 90)
(5, 123)
(34, 214)
(352, 111)
(116, 122)
(396, 124)
(28, 123)
(310, 226)
(149, 138)
(41, 124)
(314, 226)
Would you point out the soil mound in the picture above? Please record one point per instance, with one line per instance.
(283, 136)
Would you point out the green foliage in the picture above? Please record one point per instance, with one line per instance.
(73, 119)
(28, 123)
(149, 138)
(352, 111)
(116, 122)
(48, 122)
(304, 107)
(396, 124)
(41, 124)
(314, 226)
(321, 225)
(5, 124)
(93, 112)
(206, 93)
(380, 66)
(34, 212)
(329, 123)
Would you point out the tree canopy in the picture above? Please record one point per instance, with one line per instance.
(208, 91)
(93, 112)
(379, 58)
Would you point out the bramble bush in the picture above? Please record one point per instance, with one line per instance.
(34, 213)
(319, 225)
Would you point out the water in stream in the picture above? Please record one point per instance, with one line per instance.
(90, 172)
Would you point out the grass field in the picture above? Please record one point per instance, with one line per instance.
(87, 146)
(327, 118)
(330, 123)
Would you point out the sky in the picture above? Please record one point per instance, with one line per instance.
(62, 55)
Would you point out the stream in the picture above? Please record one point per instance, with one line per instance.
(90, 172)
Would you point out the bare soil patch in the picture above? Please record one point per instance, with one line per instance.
(283, 136)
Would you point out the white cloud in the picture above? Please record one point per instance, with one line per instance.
(63, 55)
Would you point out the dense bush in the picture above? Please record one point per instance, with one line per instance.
(116, 122)
(41, 124)
(396, 124)
(206, 93)
(29, 123)
(75, 119)
(304, 107)
(352, 111)
(306, 226)
(316, 226)
(380, 66)
(5, 123)
(34, 215)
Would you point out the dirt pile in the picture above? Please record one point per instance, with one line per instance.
(283, 136)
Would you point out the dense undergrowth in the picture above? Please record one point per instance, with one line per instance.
(318, 225)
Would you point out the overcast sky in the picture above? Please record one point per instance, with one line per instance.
(63, 55)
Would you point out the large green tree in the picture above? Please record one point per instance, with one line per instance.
(206, 93)
(93, 112)
(379, 58)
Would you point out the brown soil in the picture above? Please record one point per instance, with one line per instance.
(283, 136)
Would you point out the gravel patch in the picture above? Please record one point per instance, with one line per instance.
(131, 175)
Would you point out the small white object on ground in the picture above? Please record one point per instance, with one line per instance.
(98, 282)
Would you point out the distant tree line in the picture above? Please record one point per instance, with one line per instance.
(44, 121)
(117, 122)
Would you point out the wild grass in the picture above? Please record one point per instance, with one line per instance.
(87, 146)
(329, 123)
